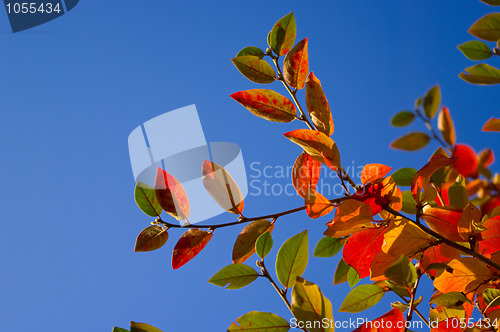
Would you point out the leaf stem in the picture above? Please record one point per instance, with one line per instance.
(433, 132)
(426, 322)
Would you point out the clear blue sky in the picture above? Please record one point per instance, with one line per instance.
(73, 89)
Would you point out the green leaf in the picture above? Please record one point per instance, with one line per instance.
(341, 272)
(282, 36)
(402, 272)
(310, 306)
(292, 259)
(260, 322)
(403, 118)
(482, 74)
(142, 327)
(432, 100)
(492, 297)
(409, 204)
(411, 142)
(403, 176)
(352, 277)
(487, 27)
(145, 199)
(457, 193)
(264, 244)
(327, 247)
(151, 238)
(236, 275)
(251, 50)
(362, 298)
(244, 246)
(450, 299)
(119, 329)
(476, 50)
(255, 69)
(492, 2)
(418, 102)
(267, 104)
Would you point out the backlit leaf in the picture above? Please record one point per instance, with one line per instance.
(251, 50)
(189, 245)
(151, 238)
(317, 205)
(341, 272)
(405, 239)
(446, 127)
(171, 195)
(327, 247)
(411, 142)
(292, 258)
(482, 74)
(432, 100)
(378, 194)
(118, 329)
(266, 104)
(362, 298)
(403, 118)
(403, 176)
(296, 65)
(372, 172)
(318, 145)
(470, 216)
(255, 69)
(449, 299)
(457, 193)
(435, 255)
(402, 272)
(465, 274)
(476, 50)
(244, 247)
(221, 186)
(490, 238)
(409, 204)
(491, 296)
(317, 105)
(352, 277)
(264, 244)
(421, 178)
(467, 161)
(282, 36)
(142, 327)
(235, 276)
(145, 199)
(259, 322)
(305, 174)
(394, 318)
(362, 247)
(492, 2)
(492, 125)
(351, 216)
(487, 27)
(444, 220)
(309, 306)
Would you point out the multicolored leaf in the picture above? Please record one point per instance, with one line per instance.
(267, 104)
(292, 259)
(351, 216)
(221, 186)
(145, 199)
(372, 172)
(255, 69)
(476, 50)
(244, 247)
(305, 174)
(432, 100)
(317, 105)
(189, 245)
(482, 74)
(260, 321)
(402, 272)
(465, 274)
(446, 127)
(405, 239)
(362, 247)
(411, 142)
(296, 65)
(282, 35)
(490, 238)
(171, 195)
(151, 238)
(235, 276)
(362, 298)
(487, 27)
(444, 220)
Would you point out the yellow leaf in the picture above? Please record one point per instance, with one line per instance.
(466, 274)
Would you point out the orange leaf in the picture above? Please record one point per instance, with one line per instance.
(244, 247)
(221, 186)
(305, 174)
(296, 65)
(317, 105)
(351, 216)
(444, 221)
(470, 215)
(171, 195)
(267, 104)
(421, 178)
(437, 254)
(317, 205)
(151, 238)
(378, 194)
(405, 239)
(492, 125)
(372, 172)
(318, 145)
(490, 238)
(189, 245)
(446, 127)
(465, 274)
(393, 321)
(486, 157)
(362, 247)
(467, 161)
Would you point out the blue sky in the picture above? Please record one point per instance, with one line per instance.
(73, 89)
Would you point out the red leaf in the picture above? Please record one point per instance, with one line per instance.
(490, 238)
(171, 195)
(305, 174)
(467, 161)
(266, 104)
(378, 194)
(362, 247)
(444, 220)
(393, 321)
(372, 172)
(296, 65)
(189, 245)
(437, 254)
